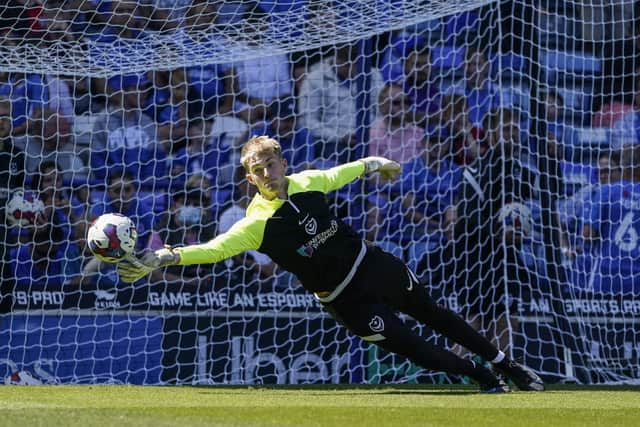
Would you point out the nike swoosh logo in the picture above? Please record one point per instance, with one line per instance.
(412, 279)
(302, 221)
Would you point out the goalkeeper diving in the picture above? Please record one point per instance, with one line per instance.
(359, 284)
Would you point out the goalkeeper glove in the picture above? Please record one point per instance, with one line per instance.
(387, 168)
(132, 269)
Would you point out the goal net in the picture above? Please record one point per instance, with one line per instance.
(517, 206)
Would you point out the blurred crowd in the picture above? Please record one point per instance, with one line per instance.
(162, 147)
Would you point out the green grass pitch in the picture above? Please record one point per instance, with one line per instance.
(340, 406)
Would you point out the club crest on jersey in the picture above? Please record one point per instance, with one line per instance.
(376, 324)
(311, 226)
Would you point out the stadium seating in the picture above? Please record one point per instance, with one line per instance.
(509, 66)
(610, 113)
(586, 143)
(595, 138)
(574, 75)
(555, 63)
(577, 103)
(83, 129)
(557, 25)
(275, 6)
(431, 30)
(577, 175)
(517, 97)
(461, 26)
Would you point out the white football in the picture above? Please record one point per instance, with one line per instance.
(23, 208)
(517, 216)
(111, 237)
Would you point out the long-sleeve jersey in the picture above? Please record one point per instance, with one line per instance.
(490, 182)
(300, 234)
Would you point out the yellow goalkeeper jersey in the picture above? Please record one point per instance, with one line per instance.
(301, 234)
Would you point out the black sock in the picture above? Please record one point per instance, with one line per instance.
(482, 375)
(437, 358)
(456, 328)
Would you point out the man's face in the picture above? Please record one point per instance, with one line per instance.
(267, 173)
(418, 65)
(121, 191)
(133, 97)
(607, 172)
(436, 149)
(553, 108)
(476, 70)
(454, 112)
(54, 133)
(346, 69)
(5, 120)
(507, 133)
(50, 180)
(395, 103)
(511, 132)
(199, 135)
(201, 16)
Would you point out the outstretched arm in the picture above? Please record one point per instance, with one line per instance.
(244, 235)
(388, 169)
(132, 268)
(339, 176)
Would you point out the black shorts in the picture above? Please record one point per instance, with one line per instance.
(382, 285)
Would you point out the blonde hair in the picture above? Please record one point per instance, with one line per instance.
(259, 145)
